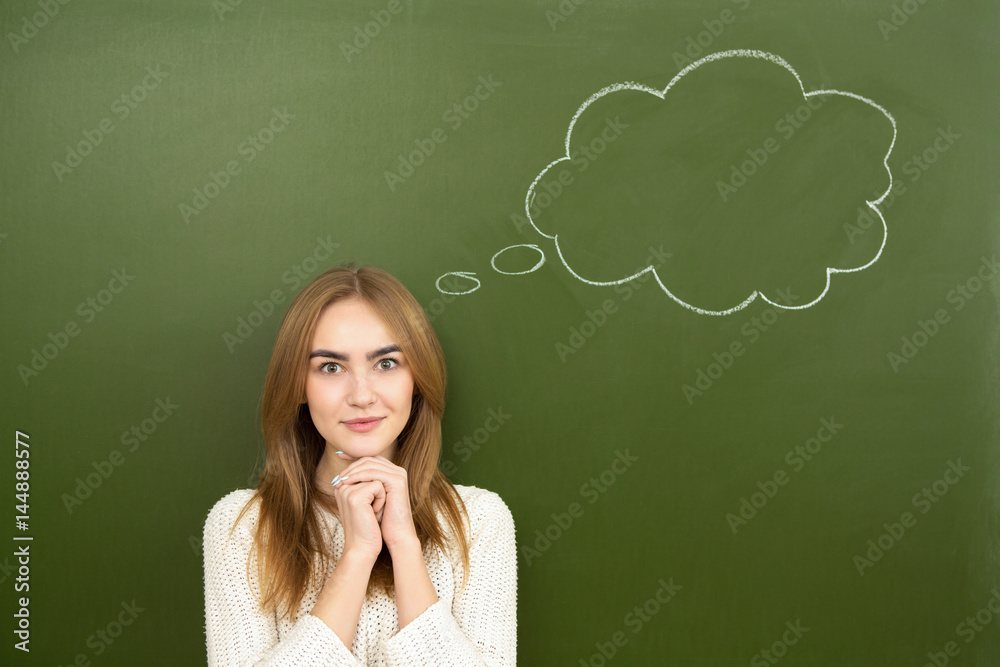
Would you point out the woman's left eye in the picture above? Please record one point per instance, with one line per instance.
(387, 364)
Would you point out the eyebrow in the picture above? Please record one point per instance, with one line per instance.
(371, 356)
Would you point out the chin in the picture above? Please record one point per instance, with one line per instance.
(365, 449)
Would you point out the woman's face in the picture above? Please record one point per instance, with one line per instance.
(358, 387)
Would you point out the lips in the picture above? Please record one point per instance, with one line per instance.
(363, 424)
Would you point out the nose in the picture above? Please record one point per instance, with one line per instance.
(361, 394)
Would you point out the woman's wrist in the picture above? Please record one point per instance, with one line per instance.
(414, 590)
(342, 596)
(404, 546)
(360, 562)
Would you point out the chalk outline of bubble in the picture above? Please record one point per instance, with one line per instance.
(460, 274)
(518, 273)
(733, 53)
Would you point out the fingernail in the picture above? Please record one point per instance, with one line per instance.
(338, 452)
(339, 479)
(334, 480)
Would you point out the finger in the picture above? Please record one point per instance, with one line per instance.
(361, 493)
(379, 489)
(374, 462)
(367, 463)
(367, 470)
(344, 457)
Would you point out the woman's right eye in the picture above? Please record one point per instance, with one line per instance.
(329, 367)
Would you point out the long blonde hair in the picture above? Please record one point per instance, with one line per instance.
(287, 543)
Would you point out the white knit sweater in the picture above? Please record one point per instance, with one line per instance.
(474, 626)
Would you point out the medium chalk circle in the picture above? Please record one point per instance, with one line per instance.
(460, 274)
(493, 261)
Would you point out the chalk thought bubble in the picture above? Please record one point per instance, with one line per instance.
(740, 173)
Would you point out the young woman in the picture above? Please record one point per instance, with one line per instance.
(355, 549)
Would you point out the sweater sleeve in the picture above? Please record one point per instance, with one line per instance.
(480, 628)
(238, 632)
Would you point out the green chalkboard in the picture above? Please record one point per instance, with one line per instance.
(716, 284)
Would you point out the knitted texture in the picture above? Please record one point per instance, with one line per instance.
(467, 627)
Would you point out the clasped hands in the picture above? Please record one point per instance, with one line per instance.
(373, 499)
